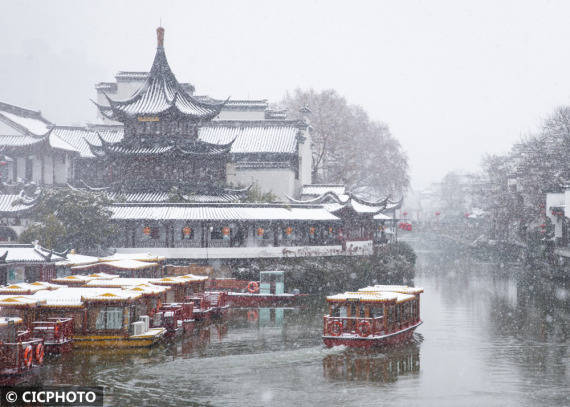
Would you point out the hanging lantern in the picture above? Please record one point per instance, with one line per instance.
(260, 232)
(226, 233)
(146, 230)
(3, 163)
(312, 231)
(288, 230)
(405, 214)
(437, 213)
(186, 230)
(467, 215)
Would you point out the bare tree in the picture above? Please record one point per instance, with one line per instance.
(348, 147)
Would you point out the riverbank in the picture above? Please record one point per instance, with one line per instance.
(390, 264)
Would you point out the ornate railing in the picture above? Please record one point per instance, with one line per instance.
(336, 326)
(53, 329)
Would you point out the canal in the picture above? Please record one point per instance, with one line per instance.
(492, 336)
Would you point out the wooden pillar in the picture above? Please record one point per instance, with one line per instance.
(385, 312)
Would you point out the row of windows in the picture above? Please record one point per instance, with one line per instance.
(224, 232)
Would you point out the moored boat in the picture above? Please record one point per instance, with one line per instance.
(373, 316)
(57, 334)
(268, 292)
(19, 351)
(100, 316)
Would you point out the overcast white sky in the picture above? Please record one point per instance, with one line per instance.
(453, 79)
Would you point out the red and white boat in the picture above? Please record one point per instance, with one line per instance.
(19, 351)
(373, 316)
(208, 305)
(177, 318)
(268, 292)
(57, 334)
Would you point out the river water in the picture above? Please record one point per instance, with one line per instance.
(492, 336)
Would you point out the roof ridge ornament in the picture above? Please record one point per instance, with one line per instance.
(160, 37)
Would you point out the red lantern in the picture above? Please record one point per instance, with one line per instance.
(543, 226)
(466, 215)
(288, 230)
(312, 231)
(405, 213)
(3, 163)
(409, 227)
(187, 230)
(146, 230)
(437, 213)
(226, 231)
(260, 232)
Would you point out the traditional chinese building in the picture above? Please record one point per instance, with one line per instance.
(178, 166)
(160, 147)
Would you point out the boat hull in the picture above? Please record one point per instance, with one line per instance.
(262, 300)
(118, 341)
(356, 341)
(57, 348)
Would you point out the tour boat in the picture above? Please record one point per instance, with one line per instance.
(268, 292)
(101, 316)
(210, 304)
(177, 318)
(57, 334)
(19, 351)
(373, 316)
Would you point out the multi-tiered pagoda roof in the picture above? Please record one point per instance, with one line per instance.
(161, 95)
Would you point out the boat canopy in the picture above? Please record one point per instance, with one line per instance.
(5, 321)
(403, 289)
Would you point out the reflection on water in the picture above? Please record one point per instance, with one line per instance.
(491, 336)
(373, 366)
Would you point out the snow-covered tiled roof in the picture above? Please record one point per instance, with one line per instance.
(79, 138)
(147, 257)
(125, 264)
(77, 260)
(27, 253)
(19, 141)
(320, 189)
(221, 212)
(28, 121)
(253, 136)
(10, 203)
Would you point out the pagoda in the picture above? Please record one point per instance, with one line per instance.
(160, 149)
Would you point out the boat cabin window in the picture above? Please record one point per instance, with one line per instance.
(391, 314)
(109, 319)
(376, 311)
(8, 333)
(338, 311)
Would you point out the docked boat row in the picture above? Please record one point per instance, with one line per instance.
(372, 316)
(102, 310)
